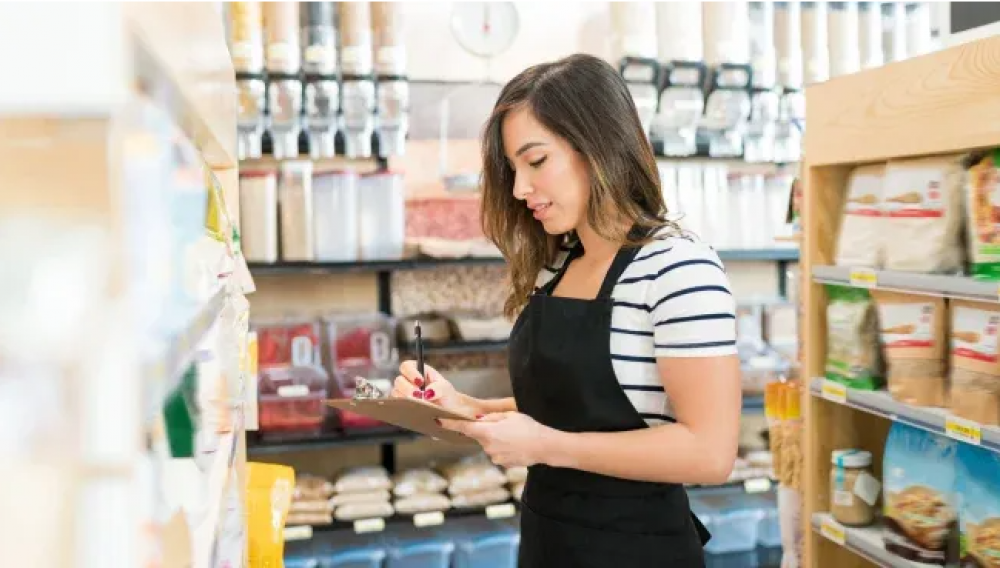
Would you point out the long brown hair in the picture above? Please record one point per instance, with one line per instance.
(585, 101)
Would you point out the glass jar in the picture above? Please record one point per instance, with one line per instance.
(853, 488)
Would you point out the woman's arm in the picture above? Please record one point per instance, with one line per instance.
(706, 395)
(490, 405)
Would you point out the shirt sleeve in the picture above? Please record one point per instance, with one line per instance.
(691, 304)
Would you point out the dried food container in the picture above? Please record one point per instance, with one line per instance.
(390, 48)
(472, 326)
(287, 342)
(246, 37)
(291, 399)
(281, 24)
(259, 215)
(355, 37)
(319, 38)
(296, 199)
(433, 329)
(335, 216)
(382, 216)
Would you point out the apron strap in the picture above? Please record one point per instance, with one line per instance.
(622, 259)
(549, 286)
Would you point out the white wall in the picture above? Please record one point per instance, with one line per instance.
(546, 31)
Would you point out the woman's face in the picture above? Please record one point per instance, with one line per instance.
(550, 177)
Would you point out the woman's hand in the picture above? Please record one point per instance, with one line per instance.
(511, 439)
(433, 388)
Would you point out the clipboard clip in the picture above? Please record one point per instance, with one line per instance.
(366, 390)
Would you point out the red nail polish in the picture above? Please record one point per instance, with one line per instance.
(418, 394)
(436, 421)
(429, 394)
(418, 381)
(478, 416)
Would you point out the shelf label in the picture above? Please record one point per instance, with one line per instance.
(834, 391)
(833, 530)
(757, 485)
(303, 532)
(963, 430)
(369, 525)
(864, 278)
(428, 519)
(500, 511)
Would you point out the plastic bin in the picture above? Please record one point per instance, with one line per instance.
(410, 547)
(336, 550)
(291, 399)
(769, 527)
(484, 543)
(290, 342)
(731, 518)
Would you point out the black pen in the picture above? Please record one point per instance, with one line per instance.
(420, 355)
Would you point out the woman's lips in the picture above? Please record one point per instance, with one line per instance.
(540, 212)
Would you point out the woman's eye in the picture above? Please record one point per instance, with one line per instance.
(537, 162)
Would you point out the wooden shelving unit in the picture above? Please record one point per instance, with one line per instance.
(72, 143)
(940, 103)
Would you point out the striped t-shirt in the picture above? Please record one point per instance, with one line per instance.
(673, 300)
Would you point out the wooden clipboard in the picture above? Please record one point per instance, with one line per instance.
(411, 414)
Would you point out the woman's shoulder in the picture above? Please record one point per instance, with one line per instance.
(672, 248)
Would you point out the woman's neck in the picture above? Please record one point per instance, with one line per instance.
(594, 245)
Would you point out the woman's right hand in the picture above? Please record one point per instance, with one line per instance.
(433, 388)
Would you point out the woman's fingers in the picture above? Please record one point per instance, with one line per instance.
(408, 369)
(401, 387)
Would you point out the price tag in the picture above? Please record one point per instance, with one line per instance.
(864, 278)
(428, 519)
(369, 525)
(304, 532)
(963, 430)
(832, 530)
(757, 485)
(834, 391)
(501, 511)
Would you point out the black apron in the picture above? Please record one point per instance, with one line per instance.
(562, 375)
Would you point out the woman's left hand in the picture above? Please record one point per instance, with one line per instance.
(511, 439)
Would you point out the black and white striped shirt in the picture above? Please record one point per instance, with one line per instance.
(673, 300)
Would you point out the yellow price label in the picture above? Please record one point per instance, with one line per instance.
(303, 532)
(428, 519)
(369, 525)
(834, 391)
(864, 278)
(500, 511)
(833, 530)
(963, 430)
(757, 485)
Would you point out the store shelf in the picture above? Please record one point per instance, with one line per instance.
(865, 542)
(459, 347)
(753, 403)
(922, 284)
(937, 420)
(258, 446)
(788, 254)
(505, 510)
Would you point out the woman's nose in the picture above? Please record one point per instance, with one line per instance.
(522, 189)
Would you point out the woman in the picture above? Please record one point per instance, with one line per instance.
(626, 384)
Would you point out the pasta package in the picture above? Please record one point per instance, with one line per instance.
(363, 479)
(979, 491)
(975, 361)
(852, 352)
(414, 481)
(860, 242)
(913, 330)
(473, 474)
(983, 214)
(920, 508)
(922, 204)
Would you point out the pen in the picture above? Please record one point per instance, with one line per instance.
(420, 355)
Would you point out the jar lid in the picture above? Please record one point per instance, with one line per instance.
(851, 458)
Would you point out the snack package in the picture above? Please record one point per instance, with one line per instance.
(860, 242)
(422, 503)
(852, 353)
(369, 510)
(982, 208)
(975, 361)
(473, 474)
(923, 215)
(913, 330)
(312, 487)
(480, 498)
(978, 479)
(920, 508)
(414, 481)
(359, 497)
(363, 479)
(269, 496)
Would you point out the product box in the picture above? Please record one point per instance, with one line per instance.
(979, 506)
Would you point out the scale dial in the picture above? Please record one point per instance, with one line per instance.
(484, 29)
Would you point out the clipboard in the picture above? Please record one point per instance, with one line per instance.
(409, 413)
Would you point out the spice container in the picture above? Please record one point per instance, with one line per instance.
(726, 29)
(291, 399)
(634, 25)
(872, 54)
(296, 197)
(355, 37)
(319, 38)
(246, 37)
(281, 22)
(896, 40)
(382, 216)
(259, 216)
(288, 342)
(845, 55)
(678, 31)
(390, 49)
(853, 489)
(360, 340)
(335, 216)
(815, 39)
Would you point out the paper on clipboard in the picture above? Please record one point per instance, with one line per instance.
(411, 414)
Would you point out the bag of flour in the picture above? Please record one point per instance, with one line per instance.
(860, 242)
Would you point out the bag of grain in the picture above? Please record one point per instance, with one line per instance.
(913, 332)
(975, 361)
(983, 214)
(922, 207)
(860, 241)
(852, 354)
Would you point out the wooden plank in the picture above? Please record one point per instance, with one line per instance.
(934, 104)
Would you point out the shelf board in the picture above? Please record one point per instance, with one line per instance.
(258, 446)
(922, 284)
(880, 403)
(418, 263)
(865, 542)
(459, 347)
